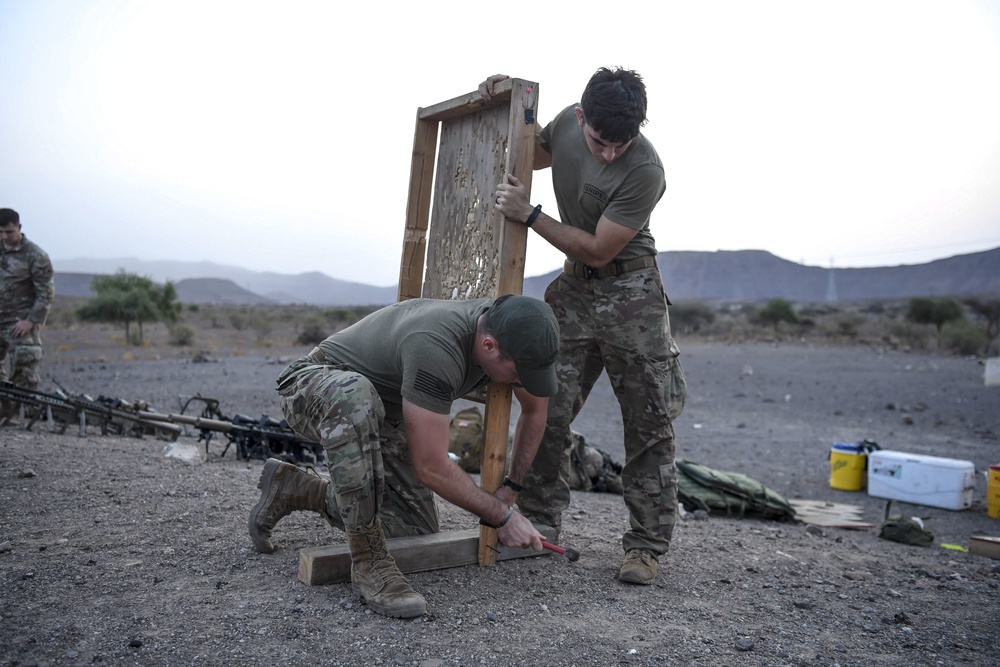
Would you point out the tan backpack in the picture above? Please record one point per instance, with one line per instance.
(465, 439)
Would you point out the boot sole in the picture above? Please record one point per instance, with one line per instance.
(411, 611)
(263, 542)
(633, 571)
(635, 579)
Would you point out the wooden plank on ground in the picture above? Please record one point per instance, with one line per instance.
(331, 564)
(983, 545)
(830, 515)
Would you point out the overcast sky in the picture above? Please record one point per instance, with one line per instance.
(277, 136)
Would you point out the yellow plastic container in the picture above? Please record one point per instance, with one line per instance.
(848, 467)
(993, 492)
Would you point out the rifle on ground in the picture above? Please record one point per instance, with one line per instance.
(59, 410)
(260, 438)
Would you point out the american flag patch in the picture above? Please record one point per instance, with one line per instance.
(432, 385)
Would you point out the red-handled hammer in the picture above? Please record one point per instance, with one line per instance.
(572, 555)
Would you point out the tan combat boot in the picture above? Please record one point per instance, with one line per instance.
(284, 489)
(639, 567)
(376, 578)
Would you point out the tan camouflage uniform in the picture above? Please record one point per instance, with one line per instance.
(26, 292)
(611, 317)
(621, 323)
(370, 467)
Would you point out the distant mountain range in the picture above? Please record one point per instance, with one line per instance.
(722, 276)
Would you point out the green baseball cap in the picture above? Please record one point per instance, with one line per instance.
(527, 330)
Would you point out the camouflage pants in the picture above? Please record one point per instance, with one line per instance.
(25, 356)
(371, 471)
(619, 324)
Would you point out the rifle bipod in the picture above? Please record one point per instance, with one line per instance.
(59, 410)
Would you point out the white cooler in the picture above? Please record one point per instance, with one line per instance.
(921, 480)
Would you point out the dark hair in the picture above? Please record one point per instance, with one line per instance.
(9, 216)
(614, 104)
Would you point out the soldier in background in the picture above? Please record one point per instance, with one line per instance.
(26, 291)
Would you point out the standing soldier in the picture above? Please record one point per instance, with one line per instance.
(610, 304)
(26, 291)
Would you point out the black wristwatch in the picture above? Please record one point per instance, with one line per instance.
(533, 216)
(511, 484)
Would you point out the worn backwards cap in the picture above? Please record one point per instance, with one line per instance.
(527, 330)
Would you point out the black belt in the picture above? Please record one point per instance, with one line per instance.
(584, 272)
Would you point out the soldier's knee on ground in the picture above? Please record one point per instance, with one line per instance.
(27, 359)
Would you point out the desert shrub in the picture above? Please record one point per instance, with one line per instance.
(987, 312)
(738, 325)
(62, 317)
(181, 335)
(690, 317)
(210, 314)
(338, 314)
(818, 310)
(908, 334)
(313, 332)
(872, 328)
(848, 327)
(193, 308)
(338, 318)
(877, 308)
(260, 322)
(963, 337)
(742, 332)
(126, 299)
(894, 309)
(238, 320)
(775, 312)
(938, 312)
(721, 326)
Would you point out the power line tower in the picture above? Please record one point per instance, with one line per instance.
(831, 284)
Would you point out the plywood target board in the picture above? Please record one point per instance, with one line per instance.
(462, 257)
(471, 250)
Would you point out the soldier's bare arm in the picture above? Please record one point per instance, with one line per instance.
(427, 435)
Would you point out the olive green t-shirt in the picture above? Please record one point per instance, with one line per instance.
(420, 350)
(626, 191)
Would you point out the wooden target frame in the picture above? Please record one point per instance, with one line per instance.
(457, 246)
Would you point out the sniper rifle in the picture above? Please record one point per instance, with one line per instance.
(59, 410)
(260, 438)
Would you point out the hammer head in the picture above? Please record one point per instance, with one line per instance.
(572, 555)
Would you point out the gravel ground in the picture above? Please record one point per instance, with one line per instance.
(112, 553)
